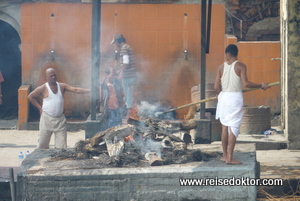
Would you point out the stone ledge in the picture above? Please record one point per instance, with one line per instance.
(75, 180)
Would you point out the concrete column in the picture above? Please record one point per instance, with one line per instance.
(290, 75)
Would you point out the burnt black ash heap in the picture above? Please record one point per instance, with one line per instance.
(140, 143)
(132, 156)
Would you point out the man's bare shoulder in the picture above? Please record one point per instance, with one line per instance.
(221, 67)
(39, 91)
(41, 88)
(240, 64)
(62, 86)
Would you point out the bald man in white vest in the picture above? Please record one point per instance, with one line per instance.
(52, 119)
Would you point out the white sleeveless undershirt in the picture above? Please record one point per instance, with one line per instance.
(230, 81)
(54, 103)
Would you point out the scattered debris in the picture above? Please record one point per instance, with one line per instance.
(270, 132)
(135, 157)
(289, 191)
(149, 142)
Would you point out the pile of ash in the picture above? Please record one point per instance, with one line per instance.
(133, 156)
(140, 143)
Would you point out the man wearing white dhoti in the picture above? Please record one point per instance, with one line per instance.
(231, 78)
(52, 119)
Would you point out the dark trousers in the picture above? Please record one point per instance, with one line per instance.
(114, 117)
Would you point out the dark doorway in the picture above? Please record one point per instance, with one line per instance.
(10, 66)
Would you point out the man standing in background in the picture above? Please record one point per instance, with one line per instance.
(52, 119)
(128, 73)
(231, 78)
(111, 99)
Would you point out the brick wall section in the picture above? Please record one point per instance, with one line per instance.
(246, 15)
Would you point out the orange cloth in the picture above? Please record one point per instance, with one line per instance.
(129, 138)
(112, 101)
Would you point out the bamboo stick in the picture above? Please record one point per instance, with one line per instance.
(214, 98)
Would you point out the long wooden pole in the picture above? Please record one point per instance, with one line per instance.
(214, 98)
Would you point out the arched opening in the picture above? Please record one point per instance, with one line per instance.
(10, 66)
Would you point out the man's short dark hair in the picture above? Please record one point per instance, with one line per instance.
(121, 40)
(232, 50)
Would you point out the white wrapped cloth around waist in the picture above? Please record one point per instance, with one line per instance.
(230, 110)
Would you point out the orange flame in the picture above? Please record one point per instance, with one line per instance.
(133, 113)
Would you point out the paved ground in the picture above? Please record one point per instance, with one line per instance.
(275, 160)
(275, 163)
(14, 141)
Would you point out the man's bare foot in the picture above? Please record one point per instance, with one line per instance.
(233, 162)
(223, 158)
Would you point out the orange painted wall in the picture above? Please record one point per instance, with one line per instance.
(159, 33)
(261, 68)
(66, 29)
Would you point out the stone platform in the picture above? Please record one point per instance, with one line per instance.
(41, 179)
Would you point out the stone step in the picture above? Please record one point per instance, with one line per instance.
(272, 142)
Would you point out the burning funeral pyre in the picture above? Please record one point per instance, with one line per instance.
(139, 143)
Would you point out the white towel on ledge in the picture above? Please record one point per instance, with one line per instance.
(230, 110)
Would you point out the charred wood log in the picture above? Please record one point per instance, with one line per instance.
(166, 133)
(97, 139)
(94, 146)
(118, 131)
(171, 126)
(161, 127)
(155, 127)
(109, 134)
(83, 149)
(136, 122)
(153, 159)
